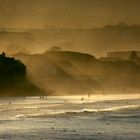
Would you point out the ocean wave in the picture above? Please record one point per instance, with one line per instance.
(18, 109)
(79, 112)
(6, 109)
(113, 109)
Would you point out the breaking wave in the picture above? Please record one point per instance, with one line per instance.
(80, 112)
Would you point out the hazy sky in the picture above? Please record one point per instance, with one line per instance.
(67, 13)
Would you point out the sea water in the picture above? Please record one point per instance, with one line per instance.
(105, 117)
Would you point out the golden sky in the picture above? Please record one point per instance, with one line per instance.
(67, 13)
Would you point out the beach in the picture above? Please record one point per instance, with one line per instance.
(105, 117)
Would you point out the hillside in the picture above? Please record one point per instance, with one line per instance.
(96, 41)
(77, 73)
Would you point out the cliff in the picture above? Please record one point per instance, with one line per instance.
(77, 73)
(13, 81)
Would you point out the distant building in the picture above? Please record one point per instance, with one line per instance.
(4, 57)
(124, 55)
(3, 54)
